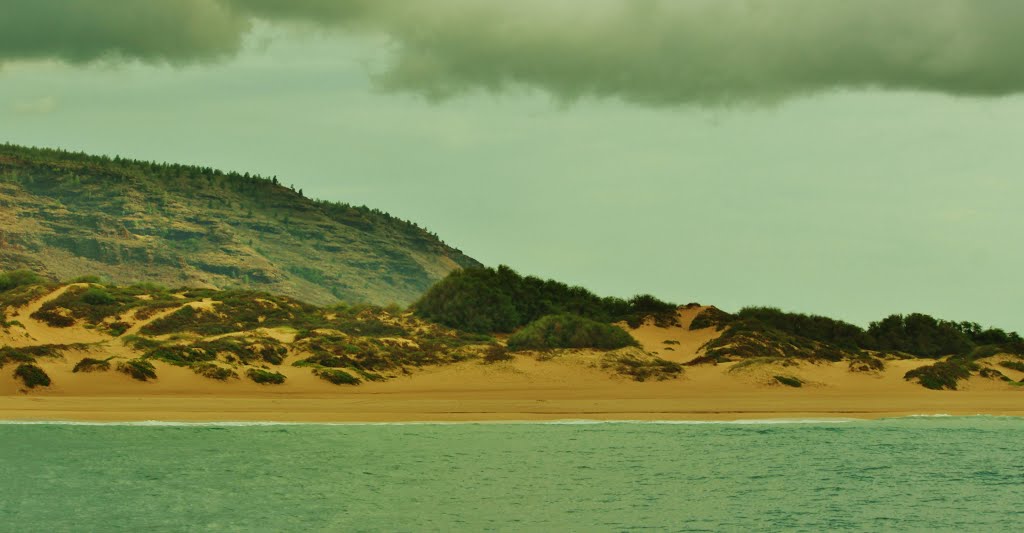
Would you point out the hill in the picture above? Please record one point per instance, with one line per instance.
(66, 215)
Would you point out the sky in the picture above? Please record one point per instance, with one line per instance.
(852, 159)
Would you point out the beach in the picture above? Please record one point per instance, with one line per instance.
(559, 385)
(523, 389)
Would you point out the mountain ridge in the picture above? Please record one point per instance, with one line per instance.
(67, 214)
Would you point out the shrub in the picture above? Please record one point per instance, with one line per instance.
(138, 369)
(89, 364)
(32, 376)
(337, 377)
(819, 328)
(54, 317)
(87, 279)
(569, 331)
(18, 278)
(486, 300)
(214, 371)
(28, 354)
(1013, 365)
(920, 335)
(992, 373)
(118, 328)
(789, 381)
(642, 369)
(14, 355)
(496, 353)
(98, 296)
(866, 363)
(941, 375)
(264, 377)
(711, 317)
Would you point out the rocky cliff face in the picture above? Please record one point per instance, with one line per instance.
(69, 215)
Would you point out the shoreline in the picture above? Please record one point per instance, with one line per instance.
(251, 410)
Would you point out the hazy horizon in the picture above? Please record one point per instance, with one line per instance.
(876, 175)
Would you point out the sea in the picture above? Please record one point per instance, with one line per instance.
(934, 473)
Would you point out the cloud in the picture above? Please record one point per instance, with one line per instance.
(79, 31)
(654, 52)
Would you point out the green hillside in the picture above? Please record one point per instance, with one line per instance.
(67, 214)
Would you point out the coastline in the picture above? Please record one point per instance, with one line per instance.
(521, 390)
(396, 410)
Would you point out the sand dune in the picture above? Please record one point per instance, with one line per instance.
(568, 385)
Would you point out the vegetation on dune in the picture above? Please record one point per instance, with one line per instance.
(569, 331)
(337, 377)
(496, 354)
(943, 374)
(214, 371)
(223, 334)
(219, 334)
(29, 354)
(89, 364)
(1013, 365)
(757, 332)
(711, 317)
(487, 300)
(750, 338)
(32, 376)
(866, 363)
(991, 373)
(138, 369)
(94, 305)
(18, 278)
(816, 328)
(915, 334)
(641, 367)
(265, 377)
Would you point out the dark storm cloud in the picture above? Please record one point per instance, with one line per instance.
(661, 52)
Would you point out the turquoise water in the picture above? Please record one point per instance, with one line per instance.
(899, 474)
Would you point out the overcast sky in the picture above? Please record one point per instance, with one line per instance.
(852, 159)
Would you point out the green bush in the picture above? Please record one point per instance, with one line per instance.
(18, 278)
(941, 375)
(88, 279)
(920, 335)
(991, 373)
(866, 363)
(496, 354)
(569, 331)
(1013, 365)
(214, 371)
(138, 369)
(32, 376)
(711, 317)
(337, 377)
(264, 377)
(98, 296)
(641, 369)
(818, 328)
(486, 300)
(118, 328)
(89, 364)
(28, 354)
